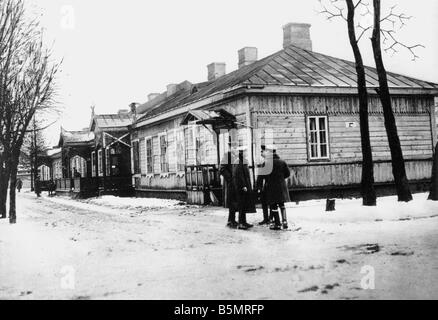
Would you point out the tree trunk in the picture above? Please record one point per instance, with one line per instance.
(398, 163)
(3, 194)
(434, 183)
(12, 193)
(4, 181)
(368, 191)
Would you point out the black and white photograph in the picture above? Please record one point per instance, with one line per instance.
(206, 150)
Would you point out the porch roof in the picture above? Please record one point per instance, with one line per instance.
(218, 119)
(75, 138)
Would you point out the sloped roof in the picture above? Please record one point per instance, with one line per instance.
(75, 137)
(53, 152)
(112, 120)
(291, 66)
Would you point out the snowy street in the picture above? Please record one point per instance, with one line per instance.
(156, 249)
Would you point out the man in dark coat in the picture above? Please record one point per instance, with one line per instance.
(261, 190)
(276, 191)
(19, 184)
(243, 188)
(38, 186)
(228, 192)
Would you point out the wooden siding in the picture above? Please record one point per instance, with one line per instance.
(335, 104)
(344, 174)
(282, 121)
(414, 132)
(207, 148)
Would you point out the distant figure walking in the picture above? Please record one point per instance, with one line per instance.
(38, 186)
(52, 188)
(276, 191)
(19, 184)
(242, 185)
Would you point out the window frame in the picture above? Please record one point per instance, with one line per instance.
(93, 164)
(100, 163)
(166, 155)
(146, 155)
(136, 165)
(180, 134)
(108, 168)
(318, 137)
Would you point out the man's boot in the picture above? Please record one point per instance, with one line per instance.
(242, 221)
(232, 219)
(284, 218)
(276, 225)
(265, 215)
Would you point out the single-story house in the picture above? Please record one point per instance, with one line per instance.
(303, 102)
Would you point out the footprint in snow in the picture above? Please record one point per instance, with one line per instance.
(310, 289)
(402, 253)
(250, 268)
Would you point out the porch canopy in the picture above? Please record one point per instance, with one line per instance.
(218, 119)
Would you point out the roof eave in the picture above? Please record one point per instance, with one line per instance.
(274, 89)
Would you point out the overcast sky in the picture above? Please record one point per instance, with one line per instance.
(117, 52)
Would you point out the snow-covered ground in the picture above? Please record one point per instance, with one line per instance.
(124, 248)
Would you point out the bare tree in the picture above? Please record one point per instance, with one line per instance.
(26, 88)
(391, 45)
(398, 162)
(367, 184)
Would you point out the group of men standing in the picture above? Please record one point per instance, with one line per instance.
(270, 188)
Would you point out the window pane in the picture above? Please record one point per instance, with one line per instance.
(322, 137)
(312, 125)
(324, 151)
(314, 151)
(322, 123)
(313, 137)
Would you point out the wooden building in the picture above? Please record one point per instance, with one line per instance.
(303, 102)
(111, 153)
(74, 163)
(96, 160)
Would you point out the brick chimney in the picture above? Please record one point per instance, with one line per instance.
(247, 55)
(216, 70)
(297, 34)
(152, 96)
(171, 89)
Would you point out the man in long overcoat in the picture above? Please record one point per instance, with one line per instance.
(260, 187)
(276, 190)
(243, 188)
(228, 191)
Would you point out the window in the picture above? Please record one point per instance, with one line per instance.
(136, 156)
(149, 156)
(99, 163)
(93, 164)
(108, 162)
(180, 151)
(164, 162)
(44, 173)
(80, 165)
(318, 137)
(198, 146)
